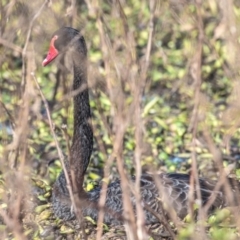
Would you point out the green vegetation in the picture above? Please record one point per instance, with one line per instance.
(193, 68)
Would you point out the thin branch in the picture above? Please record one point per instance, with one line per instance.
(162, 220)
(138, 91)
(10, 45)
(14, 226)
(120, 124)
(60, 154)
(196, 69)
(24, 50)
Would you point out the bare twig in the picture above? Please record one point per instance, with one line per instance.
(61, 157)
(196, 75)
(14, 226)
(11, 45)
(120, 123)
(24, 51)
(162, 219)
(138, 91)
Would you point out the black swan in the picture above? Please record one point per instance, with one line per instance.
(174, 186)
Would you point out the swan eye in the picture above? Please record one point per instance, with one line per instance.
(52, 52)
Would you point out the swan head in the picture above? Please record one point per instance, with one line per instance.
(63, 40)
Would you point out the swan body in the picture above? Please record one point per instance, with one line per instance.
(174, 187)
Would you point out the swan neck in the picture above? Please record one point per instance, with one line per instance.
(82, 141)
